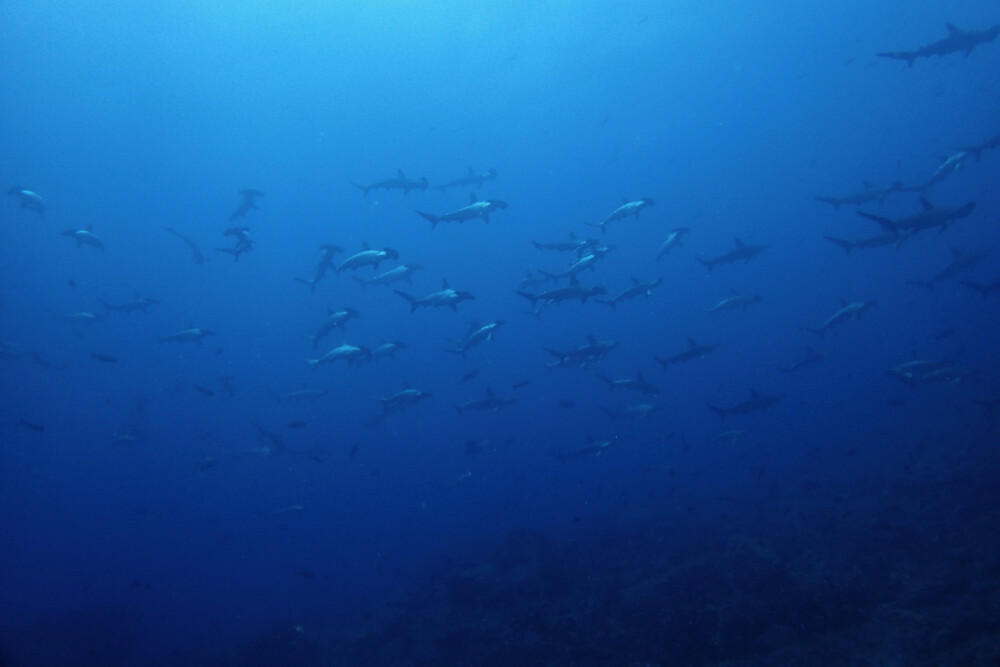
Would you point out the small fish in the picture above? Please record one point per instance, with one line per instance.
(204, 390)
(37, 428)
(305, 574)
(108, 359)
(298, 423)
(566, 404)
(353, 450)
(521, 383)
(470, 374)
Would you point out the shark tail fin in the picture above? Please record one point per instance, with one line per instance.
(984, 290)
(908, 56)
(848, 246)
(708, 264)
(430, 217)
(533, 298)
(719, 411)
(409, 297)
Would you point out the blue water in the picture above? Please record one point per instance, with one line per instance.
(141, 496)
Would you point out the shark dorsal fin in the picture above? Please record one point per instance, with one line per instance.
(472, 198)
(955, 252)
(329, 311)
(489, 391)
(399, 172)
(867, 185)
(472, 172)
(573, 280)
(365, 246)
(926, 204)
(952, 28)
(624, 200)
(754, 393)
(638, 376)
(591, 339)
(843, 302)
(739, 242)
(635, 281)
(406, 384)
(444, 284)
(691, 343)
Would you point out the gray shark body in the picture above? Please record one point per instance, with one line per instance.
(637, 412)
(755, 403)
(198, 256)
(400, 182)
(446, 296)
(736, 301)
(477, 208)
(592, 448)
(489, 402)
(957, 41)
(811, 357)
(474, 335)
(977, 149)
(310, 395)
(869, 193)
(573, 291)
(626, 210)
(879, 241)
(674, 240)
(960, 263)
(574, 244)
(694, 351)
(334, 320)
(387, 349)
(393, 275)
(637, 383)
(472, 177)
(638, 288)
(367, 257)
(402, 399)
(352, 354)
(743, 252)
(848, 311)
(193, 335)
(594, 351)
(140, 303)
(29, 199)
(587, 261)
(985, 289)
(931, 217)
(84, 237)
(247, 203)
(948, 166)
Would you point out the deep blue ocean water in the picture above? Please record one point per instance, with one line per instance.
(159, 506)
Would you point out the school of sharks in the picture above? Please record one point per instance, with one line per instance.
(574, 277)
(565, 276)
